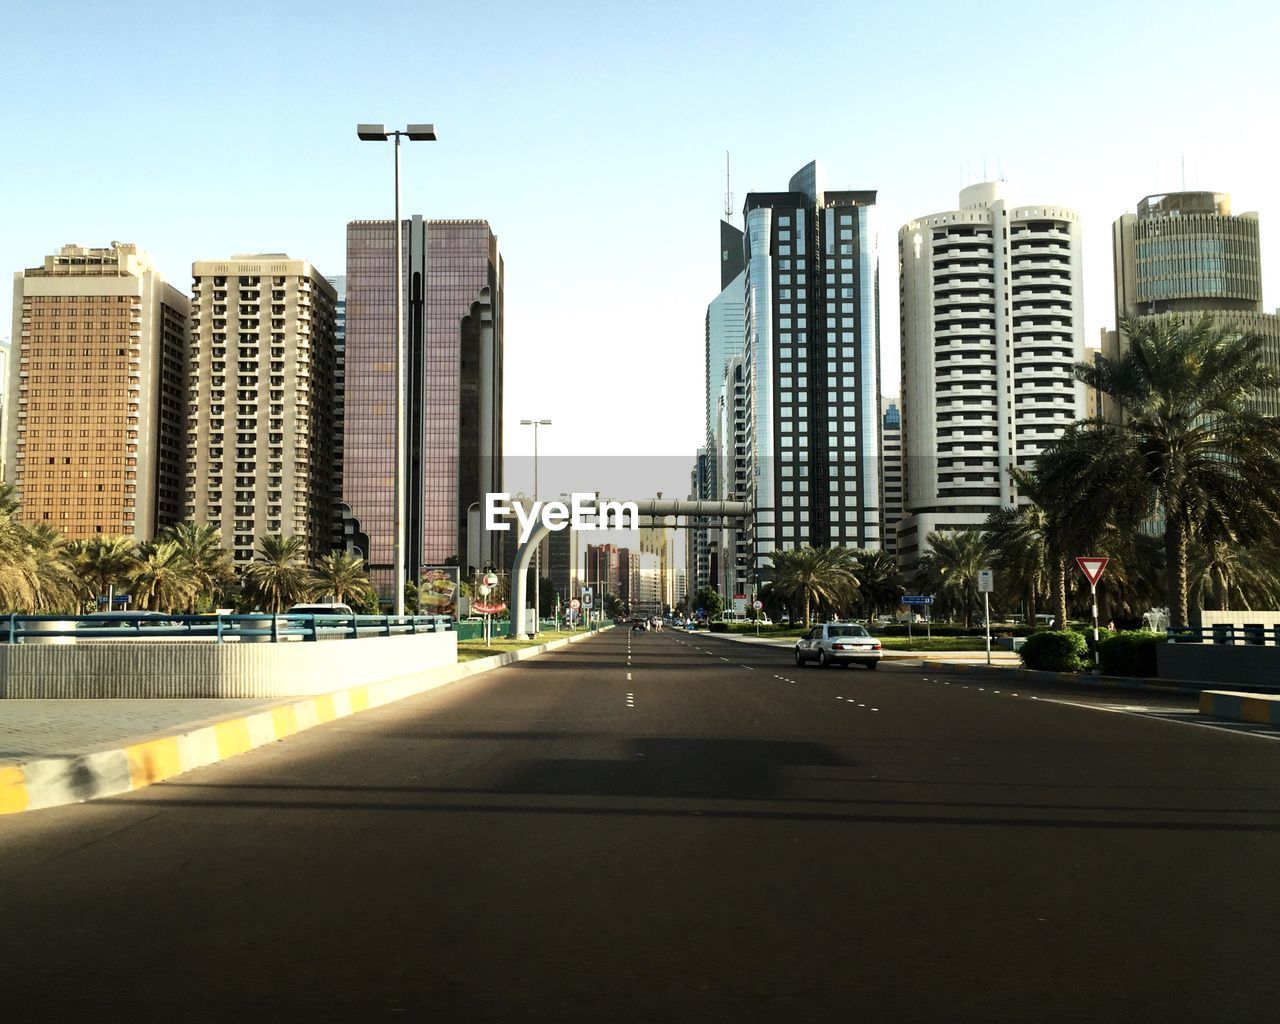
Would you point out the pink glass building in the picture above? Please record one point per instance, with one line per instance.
(453, 335)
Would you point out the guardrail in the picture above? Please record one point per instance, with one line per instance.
(251, 628)
(1227, 634)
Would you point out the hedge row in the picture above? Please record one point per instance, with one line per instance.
(1131, 653)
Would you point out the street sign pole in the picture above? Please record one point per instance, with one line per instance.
(1092, 567)
(1093, 593)
(986, 584)
(986, 612)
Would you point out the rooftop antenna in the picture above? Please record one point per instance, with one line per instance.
(728, 193)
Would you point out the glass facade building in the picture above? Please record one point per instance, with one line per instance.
(453, 359)
(1186, 254)
(812, 360)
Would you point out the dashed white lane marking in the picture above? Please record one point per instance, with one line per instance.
(628, 677)
(748, 668)
(875, 709)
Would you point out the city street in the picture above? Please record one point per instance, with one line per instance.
(675, 827)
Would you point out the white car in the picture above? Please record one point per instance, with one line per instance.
(831, 644)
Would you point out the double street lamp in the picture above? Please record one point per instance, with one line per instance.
(537, 552)
(414, 133)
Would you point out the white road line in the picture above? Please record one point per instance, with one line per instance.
(875, 709)
(628, 677)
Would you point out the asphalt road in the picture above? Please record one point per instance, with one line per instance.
(694, 831)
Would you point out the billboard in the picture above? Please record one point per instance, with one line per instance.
(438, 593)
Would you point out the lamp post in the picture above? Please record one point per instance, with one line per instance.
(537, 552)
(414, 133)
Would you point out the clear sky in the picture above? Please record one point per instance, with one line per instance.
(592, 137)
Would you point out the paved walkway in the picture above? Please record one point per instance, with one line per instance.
(31, 729)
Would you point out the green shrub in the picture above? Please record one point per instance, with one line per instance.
(1131, 653)
(720, 627)
(1055, 651)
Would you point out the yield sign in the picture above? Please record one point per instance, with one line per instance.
(1092, 568)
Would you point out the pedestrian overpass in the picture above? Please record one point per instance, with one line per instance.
(653, 512)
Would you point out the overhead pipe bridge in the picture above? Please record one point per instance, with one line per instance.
(652, 512)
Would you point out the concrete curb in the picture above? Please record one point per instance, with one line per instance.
(1241, 707)
(50, 782)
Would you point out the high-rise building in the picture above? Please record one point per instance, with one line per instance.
(94, 411)
(453, 334)
(732, 442)
(339, 283)
(992, 327)
(723, 343)
(629, 577)
(1186, 254)
(703, 553)
(812, 351)
(260, 409)
(602, 570)
(659, 542)
(890, 473)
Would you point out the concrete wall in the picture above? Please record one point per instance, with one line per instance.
(1261, 618)
(158, 669)
(1254, 668)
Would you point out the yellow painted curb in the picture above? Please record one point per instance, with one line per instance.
(163, 757)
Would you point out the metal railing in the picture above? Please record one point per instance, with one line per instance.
(251, 628)
(1227, 634)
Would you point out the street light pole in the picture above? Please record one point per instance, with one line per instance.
(537, 552)
(415, 133)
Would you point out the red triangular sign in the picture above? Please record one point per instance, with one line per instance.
(1092, 568)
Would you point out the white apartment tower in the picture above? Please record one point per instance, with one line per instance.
(991, 327)
(734, 482)
(260, 417)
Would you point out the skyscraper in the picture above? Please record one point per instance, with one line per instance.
(339, 283)
(812, 351)
(991, 329)
(732, 442)
(1186, 254)
(94, 423)
(453, 330)
(723, 343)
(260, 415)
(890, 473)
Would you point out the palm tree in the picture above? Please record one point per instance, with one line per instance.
(103, 562)
(1189, 446)
(56, 584)
(879, 582)
(814, 575)
(277, 577)
(1223, 574)
(200, 545)
(951, 567)
(341, 574)
(163, 580)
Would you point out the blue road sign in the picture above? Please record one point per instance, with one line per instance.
(918, 599)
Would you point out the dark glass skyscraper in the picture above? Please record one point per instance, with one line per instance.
(453, 334)
(812, 354)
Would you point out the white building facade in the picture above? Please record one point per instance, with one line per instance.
(991, 327)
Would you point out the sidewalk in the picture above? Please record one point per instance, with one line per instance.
(56, 752)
